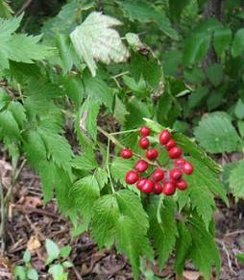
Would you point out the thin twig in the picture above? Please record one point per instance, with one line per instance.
(78, 276)
(24, 7)
(234, 233)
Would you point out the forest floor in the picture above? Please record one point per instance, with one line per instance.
(29, 222)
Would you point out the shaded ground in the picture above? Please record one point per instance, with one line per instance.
(29, 223)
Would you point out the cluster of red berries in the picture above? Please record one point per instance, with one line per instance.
(157, 180)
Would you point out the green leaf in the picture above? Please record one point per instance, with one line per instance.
(145, 12)
(222, 39)
(239, 109)
(164, 231)
(27, 257)
(67, 264)
(88, 117)
(238, 43)
(119, 168)
(95, 40)
(23, 48)
(52, 251)
(216, 134)
(9, 26)
(215, 74)
(5, 10)
(105, 217)
(86, 192)
(97, 90)
(19, 272)
(32, 274)
(183, 245)
(236, 180)
(86, 161)
(240, 258)
(240, 125)
(176, 7)
(8, 125)
(101, 176)
(65, 251)
(203, 252)
(120, 110)
(58, 147)
(57, 271)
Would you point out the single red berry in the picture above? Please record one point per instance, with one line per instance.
(175, 152)
(164, 137)
(145, 131)
(158, 175)
(179, 162)
(170, 144)
(147, 186)
(157, 188)
(144, 143)
(131, 177)
(188, 168)
(169, 188)
(181, 185)
(151, 154)
(126, 153)
(141, 165)
(140, 183)
(175, 174)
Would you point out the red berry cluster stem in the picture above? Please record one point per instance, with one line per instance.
(160, 180)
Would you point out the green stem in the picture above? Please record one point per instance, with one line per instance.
(108, 168)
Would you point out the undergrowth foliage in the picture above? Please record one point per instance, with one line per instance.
(61, 80)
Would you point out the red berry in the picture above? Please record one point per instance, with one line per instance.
(170, 144)
(187, 168)
(175, 152)
(175, 174)
(179, 162)
(126, 153)
(140, 183)
(151, 154)
(141, 165)
(169, 188)
(144, 143)
(157, 188)
(181, 185)
(144, 131)
(147, 186)
(131, 177)
(164, 137)
(158, 175)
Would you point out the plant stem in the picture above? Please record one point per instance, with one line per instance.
(108, 168)
(2, 228)
(111, 137)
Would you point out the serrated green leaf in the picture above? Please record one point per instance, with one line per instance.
(101, 176)
(97, 90)
(240, 125)
(88, 117)
(5, 9)
(163, 232)
(204, 252)
(176, 7)
(86, 161)
(8, 125)
(236, 180)
(86, 192)
(58, 148)
(238, 43)
(183, 245)
(105, 217)
(120, 110)
(119, 168)
(23, 48)
(52, 251)
(9, 26)
(216, 134)
(18, 112)
(95, 40)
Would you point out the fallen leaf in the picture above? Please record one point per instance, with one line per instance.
(191, 275)
(33, 243)
(32, 202)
